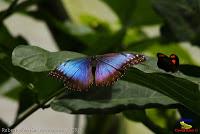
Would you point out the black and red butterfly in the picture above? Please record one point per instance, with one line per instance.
(169, 64)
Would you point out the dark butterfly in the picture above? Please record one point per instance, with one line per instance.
(101, 70)
(169, 64)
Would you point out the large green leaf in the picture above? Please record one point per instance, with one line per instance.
(182, 88)
(34, 81)
(35, 59)
(123, 95)
(136, 91)
(39, 83)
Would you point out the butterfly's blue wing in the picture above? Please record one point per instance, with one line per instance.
(110, 67)
(76, 74)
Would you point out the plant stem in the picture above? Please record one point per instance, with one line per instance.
(8, 11)
(29, 112)
(34, 108)
(76, 124)
(155, 128)
(14, 7)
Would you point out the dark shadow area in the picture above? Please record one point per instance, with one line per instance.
(190, 70)
(94, 93)
(121, 108)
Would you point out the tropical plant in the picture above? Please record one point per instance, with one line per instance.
(145, 94)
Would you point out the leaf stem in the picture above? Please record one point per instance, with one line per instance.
(155, 128)
(14, 7)
(76, 124)
(8, 11)
(35, 107)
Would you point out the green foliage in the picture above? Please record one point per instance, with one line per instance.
(106, 124)
(35, 59)
(82, 28)
(121, 96)
(180, 87)
(142, 116)
(181, 19)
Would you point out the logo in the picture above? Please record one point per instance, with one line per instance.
(186, 126)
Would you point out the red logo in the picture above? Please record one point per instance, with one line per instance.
(185, 128)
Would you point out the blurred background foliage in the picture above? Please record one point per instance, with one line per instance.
(94, 27)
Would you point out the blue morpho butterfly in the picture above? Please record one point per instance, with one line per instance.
(101, 70)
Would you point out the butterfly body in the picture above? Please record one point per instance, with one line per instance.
(101, 70)
(169, 64)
